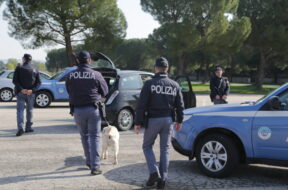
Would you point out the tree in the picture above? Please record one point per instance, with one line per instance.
(269, 36)
(2, 66)
(196, 26)
(134, 54)
(65, 22)
(56, 60)
(39, 65)
(12, 64)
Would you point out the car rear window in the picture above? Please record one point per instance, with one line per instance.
(131, 82)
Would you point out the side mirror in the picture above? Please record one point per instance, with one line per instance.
(275, 103)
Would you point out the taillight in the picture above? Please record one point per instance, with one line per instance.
(112, 97)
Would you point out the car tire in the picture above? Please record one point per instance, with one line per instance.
(6, 95)
(217, 155)
(43, 99)
(125, 120)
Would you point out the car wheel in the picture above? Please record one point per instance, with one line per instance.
(6, 95)
(217, 155)
(125, 120)
(43, 99)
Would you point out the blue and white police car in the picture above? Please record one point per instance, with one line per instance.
(221, 137)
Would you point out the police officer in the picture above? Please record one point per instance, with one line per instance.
(160, 103)
(26, 80)
(219, 87)
(86, 87)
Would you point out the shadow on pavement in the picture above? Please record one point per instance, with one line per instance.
(72, 162)
(42, 176)
(49, 129)
(185, 175)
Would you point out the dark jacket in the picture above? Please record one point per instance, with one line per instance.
(160, 97)
(26, 77)
(85, 86)
(219, 86)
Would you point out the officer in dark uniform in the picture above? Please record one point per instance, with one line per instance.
(219, 87)
(26, 80)
(159, 106)
(86, 87)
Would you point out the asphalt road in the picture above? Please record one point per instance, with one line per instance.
(51, 158)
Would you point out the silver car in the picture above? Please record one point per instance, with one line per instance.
(7, 86)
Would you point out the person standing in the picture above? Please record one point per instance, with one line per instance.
(161, 104)
(26, 80)
(86, 87)
(219, 87)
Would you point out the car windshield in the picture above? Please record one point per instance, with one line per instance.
(56, 75)
(260, 100)
(101, 63)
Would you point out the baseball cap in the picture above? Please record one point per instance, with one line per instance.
(161, 62)
(83, 56)
(27, 56)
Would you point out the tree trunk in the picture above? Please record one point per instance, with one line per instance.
(206, 72)
(260, 72)
(181, 62)
(69, 51)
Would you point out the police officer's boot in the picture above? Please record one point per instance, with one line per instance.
(96, 171)
(20, 132)
(153, 178)
(161, 184)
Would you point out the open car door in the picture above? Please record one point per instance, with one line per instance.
(187, 91)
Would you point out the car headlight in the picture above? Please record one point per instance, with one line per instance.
(112, 97)
(186, 117)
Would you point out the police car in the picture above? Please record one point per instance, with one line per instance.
(221, 137)
(7, 86)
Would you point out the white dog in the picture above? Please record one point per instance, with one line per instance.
(110, 139)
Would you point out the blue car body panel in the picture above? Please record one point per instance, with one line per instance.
(264, 134)
(56, 86)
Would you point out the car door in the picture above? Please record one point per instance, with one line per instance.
(270, 131)
(187, 91)
(61, 90)
(130, 88)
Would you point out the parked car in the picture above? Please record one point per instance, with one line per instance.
(221, 137)
(124, 90)
(7, 86)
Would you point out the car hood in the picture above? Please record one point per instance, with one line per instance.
(220, 108)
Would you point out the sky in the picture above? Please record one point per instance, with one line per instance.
(140, 25)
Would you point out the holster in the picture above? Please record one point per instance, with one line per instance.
(71, 109)
(146, 120)
(102, 109)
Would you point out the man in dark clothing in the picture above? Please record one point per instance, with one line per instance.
(161, 104)
(219, 87)
(86, 87)
(26, 80)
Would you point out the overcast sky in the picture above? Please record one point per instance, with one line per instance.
(140, 25)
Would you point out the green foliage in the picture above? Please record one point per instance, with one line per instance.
(56, 60)
(200, 29)
(269, 35)
(2, 66)
(39, 65)
(12, 64)
(134, 54)
(66, 22)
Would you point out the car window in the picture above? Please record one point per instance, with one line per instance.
(56, 75)
(284, 100)
(101, 63)
(64, 78)
(44, 76)
(10, 75)
(1, 72)
(131, 82)
(183, 83)
(145, 77)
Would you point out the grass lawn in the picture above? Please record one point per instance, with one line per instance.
(200, 88)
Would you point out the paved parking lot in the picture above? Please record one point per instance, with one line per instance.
(51, 158)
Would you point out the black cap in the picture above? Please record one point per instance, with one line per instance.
(83, 56)
(161, 62)
(27, 56)
(218, 69)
